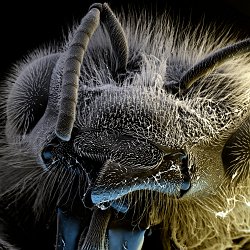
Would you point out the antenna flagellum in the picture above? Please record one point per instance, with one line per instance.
(74, 58)
(211, 62)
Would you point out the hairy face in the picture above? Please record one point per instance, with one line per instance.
(129, 135)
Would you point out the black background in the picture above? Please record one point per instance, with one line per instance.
(27, 25)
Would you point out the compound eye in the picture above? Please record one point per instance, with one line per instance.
(48, 153)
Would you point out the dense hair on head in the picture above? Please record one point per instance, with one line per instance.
(138, 101)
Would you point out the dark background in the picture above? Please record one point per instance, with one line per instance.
(26, 25)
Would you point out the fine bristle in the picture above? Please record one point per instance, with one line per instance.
(138, 102)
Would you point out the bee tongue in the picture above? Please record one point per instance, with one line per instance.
(121, 238)
(103, 233)
(68, 231)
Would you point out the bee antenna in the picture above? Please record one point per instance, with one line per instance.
(74, 58)
(211, 62)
